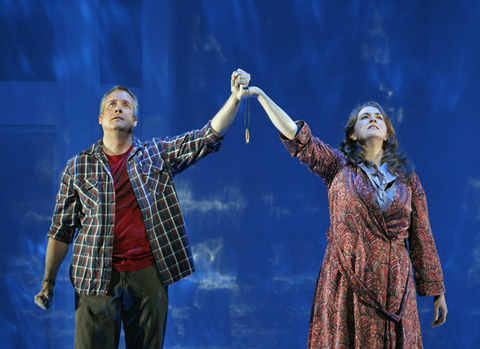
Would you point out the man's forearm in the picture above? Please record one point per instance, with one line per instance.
(225, 116)
(56, 252)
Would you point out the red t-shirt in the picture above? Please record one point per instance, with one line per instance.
(131, 247)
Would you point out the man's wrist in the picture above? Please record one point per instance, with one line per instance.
(48, 281)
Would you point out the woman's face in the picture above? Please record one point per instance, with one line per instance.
(370, 125)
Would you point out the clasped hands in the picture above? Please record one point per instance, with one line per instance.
(239, 83)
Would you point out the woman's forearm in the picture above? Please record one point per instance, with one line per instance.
(277, 115)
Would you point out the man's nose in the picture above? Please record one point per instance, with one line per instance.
(118, 108)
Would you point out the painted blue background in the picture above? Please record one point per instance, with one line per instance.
(257, 219)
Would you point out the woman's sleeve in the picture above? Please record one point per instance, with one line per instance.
(320, 158)
(425, 259)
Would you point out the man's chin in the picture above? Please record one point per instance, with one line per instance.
(118, 128)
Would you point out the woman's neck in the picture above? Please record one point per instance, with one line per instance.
(374, 153)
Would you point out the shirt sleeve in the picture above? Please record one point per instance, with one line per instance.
(425, 259)
(67, 207)
(185, 150)
(320, 158)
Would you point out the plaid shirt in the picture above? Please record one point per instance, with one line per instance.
(85, 204)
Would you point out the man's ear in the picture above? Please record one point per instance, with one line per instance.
(100, 118)
(353, 137)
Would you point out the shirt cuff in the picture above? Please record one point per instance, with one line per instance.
(301, 139)
(430, 288)
(209, 137)
(57, 233)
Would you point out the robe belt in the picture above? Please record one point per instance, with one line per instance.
(397, 241)
(367, 295)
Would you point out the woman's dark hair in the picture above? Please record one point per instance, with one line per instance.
(396, 161)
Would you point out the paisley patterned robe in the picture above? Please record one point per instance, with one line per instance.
(365, 295)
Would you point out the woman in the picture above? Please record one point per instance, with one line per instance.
(365, 295)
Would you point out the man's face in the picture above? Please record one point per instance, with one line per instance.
(118, 112)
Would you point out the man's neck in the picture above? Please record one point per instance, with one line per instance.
(116, 144)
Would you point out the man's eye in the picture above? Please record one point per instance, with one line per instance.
(127, 106)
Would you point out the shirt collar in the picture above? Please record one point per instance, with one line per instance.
(97, 148)
(383, 174)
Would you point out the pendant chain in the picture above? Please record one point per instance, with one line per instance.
(247, 117)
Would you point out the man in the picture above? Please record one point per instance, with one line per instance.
(117, 204)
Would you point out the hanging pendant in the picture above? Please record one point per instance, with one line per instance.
(247, 116)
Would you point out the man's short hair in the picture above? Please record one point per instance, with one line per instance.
(120, 88)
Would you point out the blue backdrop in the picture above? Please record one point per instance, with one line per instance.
(257, 218)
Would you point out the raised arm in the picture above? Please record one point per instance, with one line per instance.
(225, 116)
(279, 118)
(320, 158)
